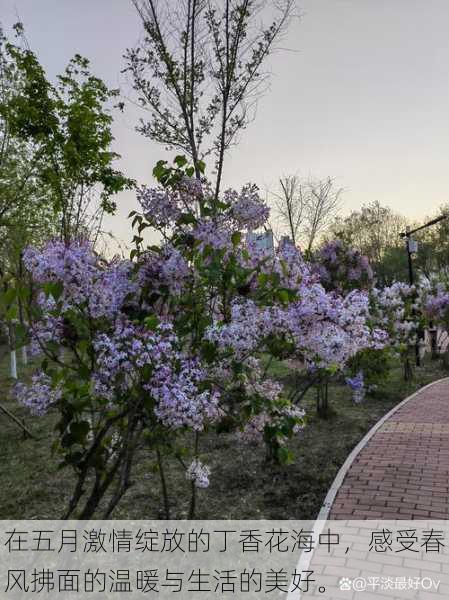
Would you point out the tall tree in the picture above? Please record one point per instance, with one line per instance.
(374, 230)
(26, 213)
(55, 157)
(433, 244)
(199, 71)
(290, 205)
(69, 127)
(306, 209)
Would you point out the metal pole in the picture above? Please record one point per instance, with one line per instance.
(412, 280)
(410, 262)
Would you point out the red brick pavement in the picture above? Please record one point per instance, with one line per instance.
(403, 471)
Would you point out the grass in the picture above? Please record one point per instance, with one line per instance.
(242, 485)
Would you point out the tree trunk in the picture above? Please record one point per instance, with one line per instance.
(433, 334)
(408, 371)
(23, 324)
(322, 400)
(12, 351)
(24, 355)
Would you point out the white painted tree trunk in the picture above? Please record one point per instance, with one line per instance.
(13, 356)
(24, 355)
(12, 351)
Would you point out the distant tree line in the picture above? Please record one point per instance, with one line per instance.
(309, 212)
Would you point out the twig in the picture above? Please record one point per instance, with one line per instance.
(16, 420)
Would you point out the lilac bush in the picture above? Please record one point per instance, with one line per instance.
(175, 342)
(357, 385)
(434, 298)
(396, 309)
(343, 268)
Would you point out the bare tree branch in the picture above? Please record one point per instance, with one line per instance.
(199, 70)
(306, 209)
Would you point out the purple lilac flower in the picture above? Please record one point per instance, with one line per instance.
(198, 473)
(167, 268)
(160, 207)
(87, 282)
(39, 395)
(179, 400)
(247, 209)
(357, 382)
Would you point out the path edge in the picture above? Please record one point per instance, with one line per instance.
(323, 515)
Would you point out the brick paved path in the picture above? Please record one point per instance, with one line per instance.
(403, 471)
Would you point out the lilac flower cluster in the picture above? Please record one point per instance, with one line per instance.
(110, 290)
(357, 384)
(434, 297)
(49, 328)
(247, 210)
(327, 329)
(73, 265)
(39, 395)
(254, 429)
(87, 282)
(167, 268)
(120, 355)
(292, 268)
(437, 306)
(242, 334)
(198, 473)
(180, 402)
(394, 310)
(160, 207)
(343, 268)
(163, 209)
(174, 382)
(213, 234)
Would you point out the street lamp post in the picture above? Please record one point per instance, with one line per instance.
(412, 248)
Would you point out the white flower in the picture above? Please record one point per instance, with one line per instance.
(198, 473)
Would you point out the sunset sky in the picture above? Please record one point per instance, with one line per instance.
(361, 94)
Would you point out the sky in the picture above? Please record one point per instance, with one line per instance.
(360, 93)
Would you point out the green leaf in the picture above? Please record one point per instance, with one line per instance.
(208, 351)
(137, 219)
(186, 219)
(160, 169)
(10, 295)
(263, 279)
(54, 289)
(12, 313)
(236, 238)
(143, 226)
(152, 322)
(283, 296)
(180, 160)
(285, 456)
